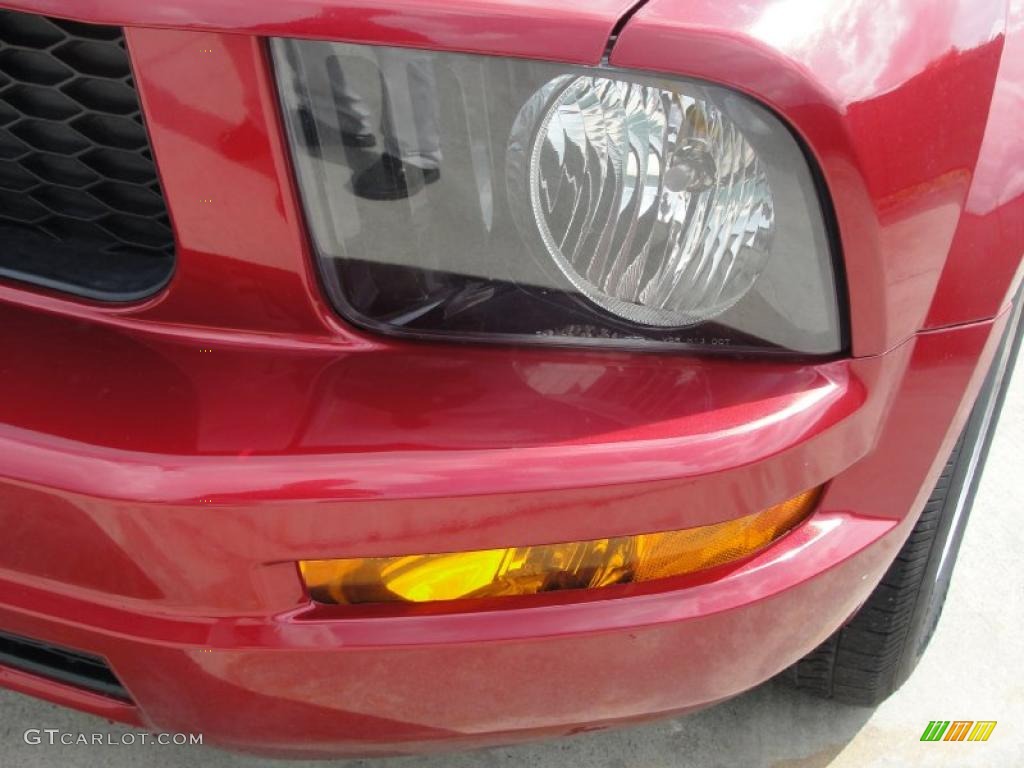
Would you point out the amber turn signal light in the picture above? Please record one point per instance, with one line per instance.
(550, 567)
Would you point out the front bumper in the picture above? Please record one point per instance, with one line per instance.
(156, 491)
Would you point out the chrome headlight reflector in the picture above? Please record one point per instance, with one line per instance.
(487, 199)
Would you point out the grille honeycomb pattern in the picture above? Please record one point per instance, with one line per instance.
(80, 204)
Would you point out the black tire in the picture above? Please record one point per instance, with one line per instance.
(874, 653)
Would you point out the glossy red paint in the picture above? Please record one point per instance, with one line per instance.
(162, 465)
(536, 29)
(540, 438)
(208, 628)
(983, 268)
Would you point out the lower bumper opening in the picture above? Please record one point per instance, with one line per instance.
(63, 665)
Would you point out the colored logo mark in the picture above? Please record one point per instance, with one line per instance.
(958, 730)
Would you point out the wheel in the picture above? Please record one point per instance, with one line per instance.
(873, 654)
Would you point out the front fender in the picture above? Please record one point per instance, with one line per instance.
(892, 99)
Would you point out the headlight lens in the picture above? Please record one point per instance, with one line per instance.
(490, 199)
(650, 200)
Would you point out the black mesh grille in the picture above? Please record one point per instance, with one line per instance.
(80, 205)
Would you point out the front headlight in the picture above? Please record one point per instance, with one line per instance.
(492, 199)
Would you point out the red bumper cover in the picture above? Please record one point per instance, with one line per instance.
(170, 550)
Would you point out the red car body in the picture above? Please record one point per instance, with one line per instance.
(164, 464)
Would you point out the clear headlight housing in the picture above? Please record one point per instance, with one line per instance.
(492, 199)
